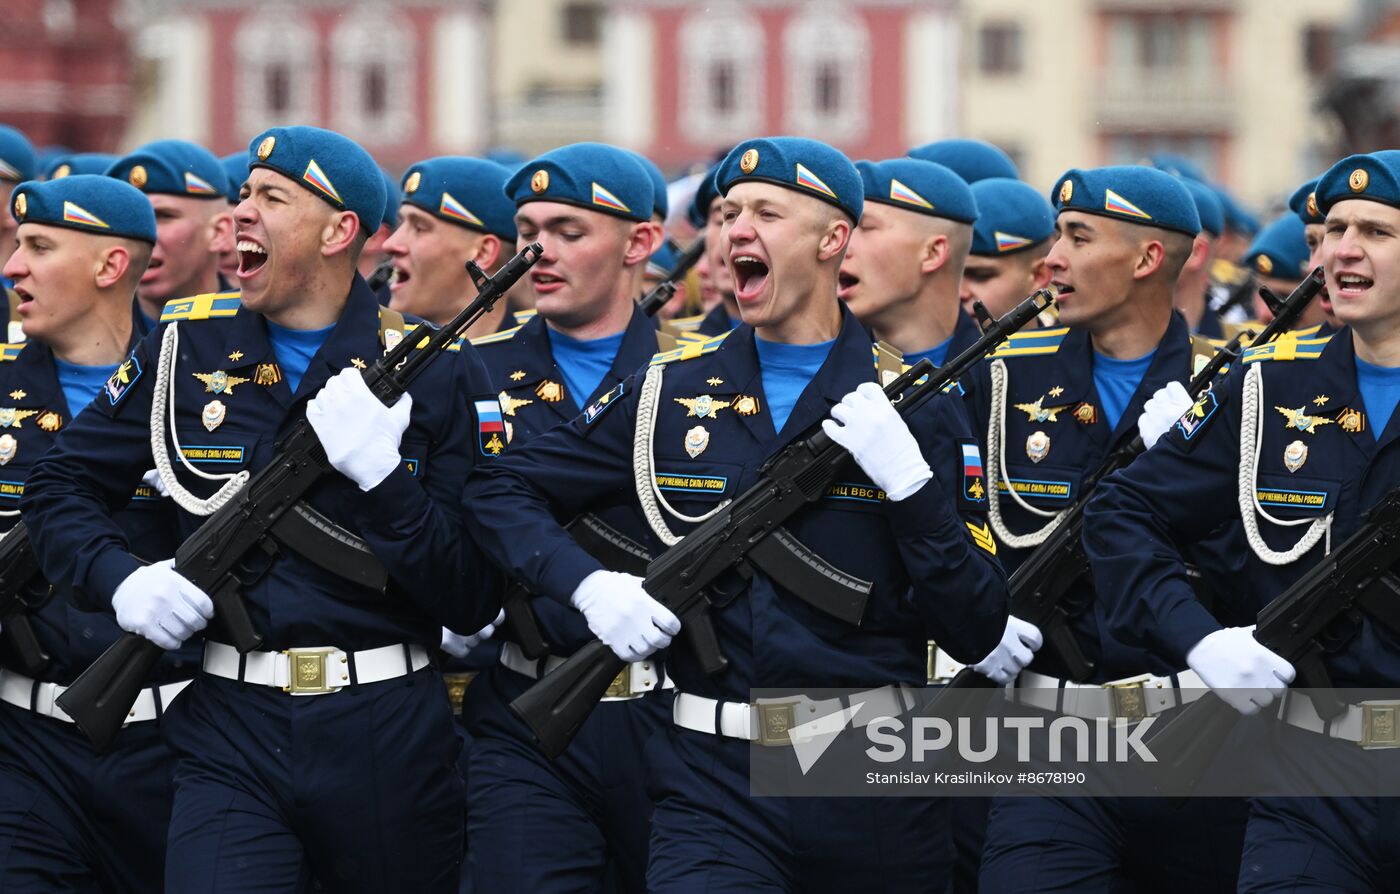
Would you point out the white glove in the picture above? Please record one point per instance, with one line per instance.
(1019, 642)
(866, 424)
(457, 645)
(153, 480)
(1245, 674)
(1162, 410)
(156, 602)
(623, 615)
(360, 434)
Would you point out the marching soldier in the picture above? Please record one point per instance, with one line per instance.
(1191, 299)
(186, 186)
(591, 207)
(70, 819)
(1009, 241)
(374, 253)
(329, 755)
(718, 410)
(1279, 258)
(236, 169)
(904, 266)
(1053, 403)
(712, 270)
(16, 166)
(1303, 432)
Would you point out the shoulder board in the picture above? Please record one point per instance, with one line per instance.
(1310, 332)
(202, 307)
(686, 324)
(523, 316)
(1038, 341)
(1287, 347)
(493, 338)
(889, 362)
(454, 346)
(11, 351)
(689, 351)
(1250, 328)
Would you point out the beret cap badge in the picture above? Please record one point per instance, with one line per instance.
(21, 206)
(1265, 264)
(1066, 191)
(62, 171)
(1359, 180)
(138, 176)
(411, 185)
(1312, 204)
(540, 182)
(265, 147)
(748, 161)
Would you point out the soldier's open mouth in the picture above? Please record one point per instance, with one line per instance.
(845, 282)
(750, 275)
(251, 257)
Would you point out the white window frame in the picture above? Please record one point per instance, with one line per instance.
(723, 33)
(823, 34)
(275, 35)
(366, 36)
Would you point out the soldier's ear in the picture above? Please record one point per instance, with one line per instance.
(643, 239)
(221, 232)
(339, 233)
(112, 265)
(934, 254)
(488, 251)
(1151, 255)
(1040, 274)
(835, 238)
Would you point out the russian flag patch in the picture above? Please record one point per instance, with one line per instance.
(601, 196)
(973, 487)
(317, 178)
(77, 214)
(1112, 201)
(806, 178)
(490, 427)
(450, 207)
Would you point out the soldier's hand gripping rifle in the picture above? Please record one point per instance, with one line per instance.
(98, 701)
(1043, 586)
(747, 532)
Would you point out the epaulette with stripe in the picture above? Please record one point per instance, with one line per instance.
(523, 316)
(456, 345)
(689, 351)
(213, 305)
(493, 338)
(11, 351)
(1287, 347)
(1028, 344)
(685, 324)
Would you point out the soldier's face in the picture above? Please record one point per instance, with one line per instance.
(582, 270)
(53, 270)
(279, 229)
(7, 222)
(430, 257)
(1001, 283)
(1361, 259)
(185, 252)
(1096, 257)
(882, 264)
(716, 255)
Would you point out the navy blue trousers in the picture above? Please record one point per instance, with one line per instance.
(1308, 845)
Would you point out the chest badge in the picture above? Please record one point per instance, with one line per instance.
(18, 394)
(1352, 420)
(696, 440)
(1086, 414)
(8, 448)
(550, 392)
(510, 404)
(746, 405)
(1038, 446)
(1302, 421)
(12, 418)
(714, 381)
(703, 406)
(267, 374)
(213, 415)
(1294, 455)
(1037, 412)
(517, 375)
(50, 421)
(219, 382)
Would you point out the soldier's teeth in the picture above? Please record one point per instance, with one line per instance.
(251, 246)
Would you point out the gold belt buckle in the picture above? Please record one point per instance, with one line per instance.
(307, 673)
(775, 719)
(457, 688)
(1378, 726)
(1127, 700)
(621, 686)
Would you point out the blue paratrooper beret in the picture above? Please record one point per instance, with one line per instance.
(1208, 207)
(1303, 203)
(329, 165)
(1177, 165)
(392, 199)
(660, 200)
(921, 186)
(1374, 176)
(1280, 249)
(236, 170)
(663, 260)
(172, 167)
(807, 166)
(971, 160)
(705, 194)
(1237, 219)
(509, 159)
(90, 203)
(16, 155)
(1132, 193)
(1012, 216)
(594, 176)
(61, 166)
(469, 192)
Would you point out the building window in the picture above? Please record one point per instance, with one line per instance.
(375, 73)
(1000, 48)
(1319, 47)
(826, 64)
(276, 75)
(1153, 44)
(582, 24)
(721, 75)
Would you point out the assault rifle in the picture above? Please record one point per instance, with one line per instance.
(380, 276)
(748, 533)
(663, 291)
(98, 701)
(19, 574)
(1044, 588)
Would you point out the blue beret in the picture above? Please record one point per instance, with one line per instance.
(78, 163)
(506, 158)
(1303, 203)
(1177, 166)
(802, 165)
(705, 194)
(392, 199)
(173, 168)
(16, 155)
(595, 176)
(1133, 193)
(664, 259)
(89, 203)
(971, 160)
(660, 201)
(1012, 216)
(469, 192)
(920, 186)
(1237, 219)
(1375, 177)
(327, 164)
(1208, 206)
(1280, 249)
(236, 170)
